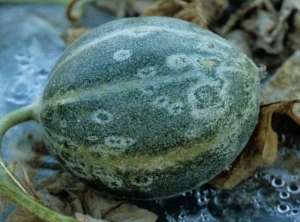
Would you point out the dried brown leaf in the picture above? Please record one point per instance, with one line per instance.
(124, 8)
(191, 11)
(261, 149)
(130, 213)
(285, 84)
(72, 197)
(165, 8)
(214, 9)
(242, 12)
(22, 215)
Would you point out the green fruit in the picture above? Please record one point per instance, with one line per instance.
(150, 107)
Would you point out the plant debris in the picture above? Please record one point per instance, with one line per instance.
(261, 149)
(64, 193)
(273, 27)
(285, 84)
(124, 8)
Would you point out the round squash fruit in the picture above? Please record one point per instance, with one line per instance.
(144, 108)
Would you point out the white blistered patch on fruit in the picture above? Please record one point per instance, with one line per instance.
(118, 141)
(147, 92)
(175, 108)
(102, 117)
(146, 72)
(141, 31)
(92, 138)
(194, 61)
(205, 46)
(178, 61)
(161, 102)
(194, 99)
(143, 182)
(122, 55)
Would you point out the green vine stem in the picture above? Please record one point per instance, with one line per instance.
(9, 187)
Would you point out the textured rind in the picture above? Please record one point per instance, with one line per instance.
(149, 107)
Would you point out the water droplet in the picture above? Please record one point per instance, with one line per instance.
(294, 212)
(277, 182)
(205, 219)
(283, 208)
(223, 199)
(121, 55)
(189, 193)
(258, 175)
(201, 193)
(182, 217)
(284, 195)
(202, 200)
(293, 188)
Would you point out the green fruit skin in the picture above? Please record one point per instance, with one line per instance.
(144, 108)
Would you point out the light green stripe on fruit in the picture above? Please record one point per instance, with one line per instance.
(132, 32)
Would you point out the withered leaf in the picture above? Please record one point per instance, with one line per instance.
(91, 206)
(284, 85)
(189, 11)
(130, 213)
(72, 198)
(261, 149)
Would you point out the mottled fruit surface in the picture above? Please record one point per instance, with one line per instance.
(149, 107)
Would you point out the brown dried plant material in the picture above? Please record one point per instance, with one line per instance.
(130, 213)
(293, 38)
(242, 40)
(88, 202)
(241, 13)
(71, 197)
(191, 11)
(165, 8)
(268, 25)
(285, 84)
(214, 9)
(23, 215)
(124, 8)
(87, 218)
(70, 35)
(261, 149)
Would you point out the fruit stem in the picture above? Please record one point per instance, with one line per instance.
(10, 188)
(15, 117)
